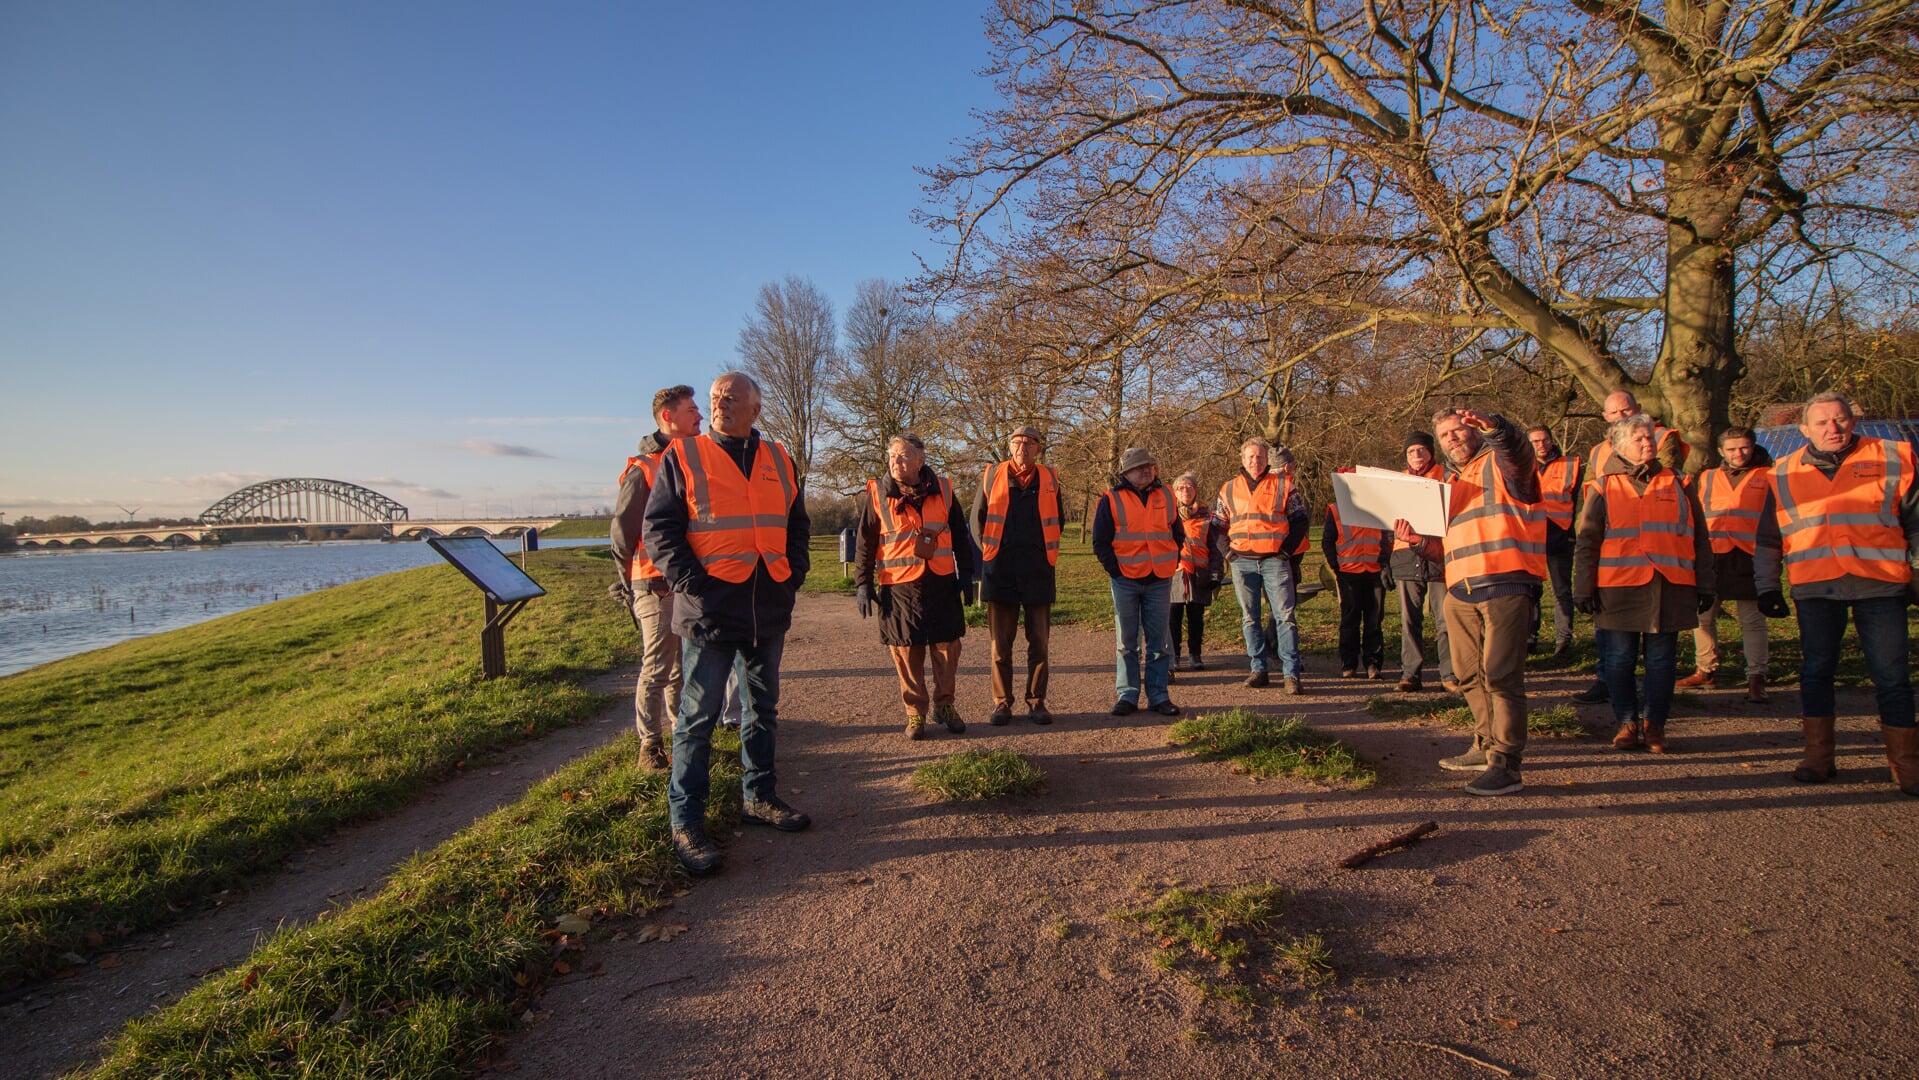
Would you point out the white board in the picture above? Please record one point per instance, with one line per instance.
(1375, 498)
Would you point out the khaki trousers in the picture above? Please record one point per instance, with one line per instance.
(1488, 642)
(1002, 622)
(910, 662)
(656, 697)
(1752, 631)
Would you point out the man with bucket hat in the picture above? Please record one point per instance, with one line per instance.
(1136, 540)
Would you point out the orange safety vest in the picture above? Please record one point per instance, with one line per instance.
(1848, 525)
(1194, 552)
(733, 522)
(1646, 532)
(1435, 471)
(1256, 513)
(1488, 531)
(1558, 485)
(1603, 452)
(642, 568)
(1358, 550)
(900, 525)
(1733, 509)
(1145, 540)
(997, 482)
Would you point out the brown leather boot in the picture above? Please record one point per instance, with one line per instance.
(1628, 737)
(1756, 689)
(1696, 680)
(1902, 753)
(1655, 737)
(1816, 767)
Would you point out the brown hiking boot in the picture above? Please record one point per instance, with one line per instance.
(1902, 753)
(1002, 714)
(948, 715)
(1038, 713)
(915, 726)
(653, 756)
(1696, 680)
(1409, 686)
(1293, 686)
(1816, 767)
(1258, 678)
(1655, 738)
(1756, 690)
(1627, 738)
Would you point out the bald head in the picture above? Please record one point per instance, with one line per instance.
(1618, 405)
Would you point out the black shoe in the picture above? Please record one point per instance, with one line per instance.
(696, 851)
(1039, 714)
(1595, 694)
(1166, 708)
(1124, 708)
(1562, 652)
(771, 811)
(1258, 678)
(1002, 714)
(1198, 664)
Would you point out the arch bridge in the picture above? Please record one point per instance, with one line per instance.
(304, 500)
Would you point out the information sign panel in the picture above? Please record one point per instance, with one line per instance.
(488, 567)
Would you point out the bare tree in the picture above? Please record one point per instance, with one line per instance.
(880, 382)
(1585, 177)
(786, 346)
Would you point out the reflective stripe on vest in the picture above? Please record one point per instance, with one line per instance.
(1489, 531)
(1849, 525)
(1558, 485)
(1733, 509)
(1646, 532)
(1194, 551)
(1358, 550)
(642, 568)
(997, 482)
(1256, 514)
(733, 522)
(900, 525)
(1143, 536)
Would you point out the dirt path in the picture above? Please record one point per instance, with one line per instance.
(1629, 916)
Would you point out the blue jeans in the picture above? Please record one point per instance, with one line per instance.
(1140, 606)
(706, 665)
(1274, 577)
(1621, 660)
(1881, 624)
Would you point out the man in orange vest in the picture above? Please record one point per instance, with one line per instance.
(1357, 554)
(1736, 497)
(1560, 475)
(1671, 452)
(1847, 511)
(1016, 516)
(727, 527)
(1495, 555)
(1421, 586)
(913, 563)
(1136, 540)
(656, 696)
(1266, 523)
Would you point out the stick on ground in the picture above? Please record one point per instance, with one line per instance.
(1461, 1054)
(1356, 858)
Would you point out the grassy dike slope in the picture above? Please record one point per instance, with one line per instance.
(137, 780)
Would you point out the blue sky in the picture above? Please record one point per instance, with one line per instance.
(447, 250)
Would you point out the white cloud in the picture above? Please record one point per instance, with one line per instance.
(486, 448)
(220, 481)
(390, 486)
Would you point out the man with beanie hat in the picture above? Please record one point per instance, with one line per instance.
(1415, 576)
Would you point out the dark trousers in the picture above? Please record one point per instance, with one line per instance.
(1881, 624)
(1002, 622)
(1194, 617)
(1559, 569)
(1622, 662)
(1362, 600)
(707, 665)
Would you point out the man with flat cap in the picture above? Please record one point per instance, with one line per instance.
(1016, 517)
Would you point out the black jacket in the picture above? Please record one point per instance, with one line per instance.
(629, 509)
(707, 608)
(1019, 572)
(927, 610)
(1103, 525)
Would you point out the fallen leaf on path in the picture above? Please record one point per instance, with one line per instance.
(109, 960)
(572, 924)
(251, 980)
(561, 967)
(1503, 1022)
(672, 930)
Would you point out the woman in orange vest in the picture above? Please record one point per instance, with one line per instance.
(1136, 539)
(1644, 569)
(1357, 554)
(913, 562)
(1202, 566)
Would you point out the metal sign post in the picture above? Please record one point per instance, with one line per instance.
(506, 586)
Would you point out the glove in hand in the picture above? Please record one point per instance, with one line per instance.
(1587, 604)
(866, 601)
(1773, 605)
(1707, 601)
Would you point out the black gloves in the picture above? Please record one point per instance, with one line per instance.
(969, 593)
(1587, 604)
(866, 601)
(1707, 601)
(1773, 605)
(1386, 577)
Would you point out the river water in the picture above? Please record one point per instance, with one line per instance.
(58, 603)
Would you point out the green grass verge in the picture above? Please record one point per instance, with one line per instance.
(595, 528)
(1559, 721)
(1272, 746)
(978, 774)
(137, 780)
(421, 979)
(1229, 943)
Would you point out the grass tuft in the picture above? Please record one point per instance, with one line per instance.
(1271, 746)
(1559, 721)
(1230, 943)
(978, 774)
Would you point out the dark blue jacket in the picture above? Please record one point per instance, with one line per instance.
(704, 607)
